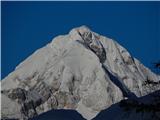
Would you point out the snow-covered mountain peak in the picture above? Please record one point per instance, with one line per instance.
(79, 32)
(82, 70)
(81, 29)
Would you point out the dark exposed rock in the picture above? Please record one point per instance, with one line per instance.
(148, 81)
(17, 93)
(95, 45)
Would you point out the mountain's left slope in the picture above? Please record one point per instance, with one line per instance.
(83, 71)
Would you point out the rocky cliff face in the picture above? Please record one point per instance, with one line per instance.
(83, 71)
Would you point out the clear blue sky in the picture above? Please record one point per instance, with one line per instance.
(27, 26)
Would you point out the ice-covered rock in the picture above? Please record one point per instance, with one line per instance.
(83, 71)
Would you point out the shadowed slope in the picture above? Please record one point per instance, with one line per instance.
(59, 115)
(148, 108)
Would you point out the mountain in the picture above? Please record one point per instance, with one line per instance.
(80, 71)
